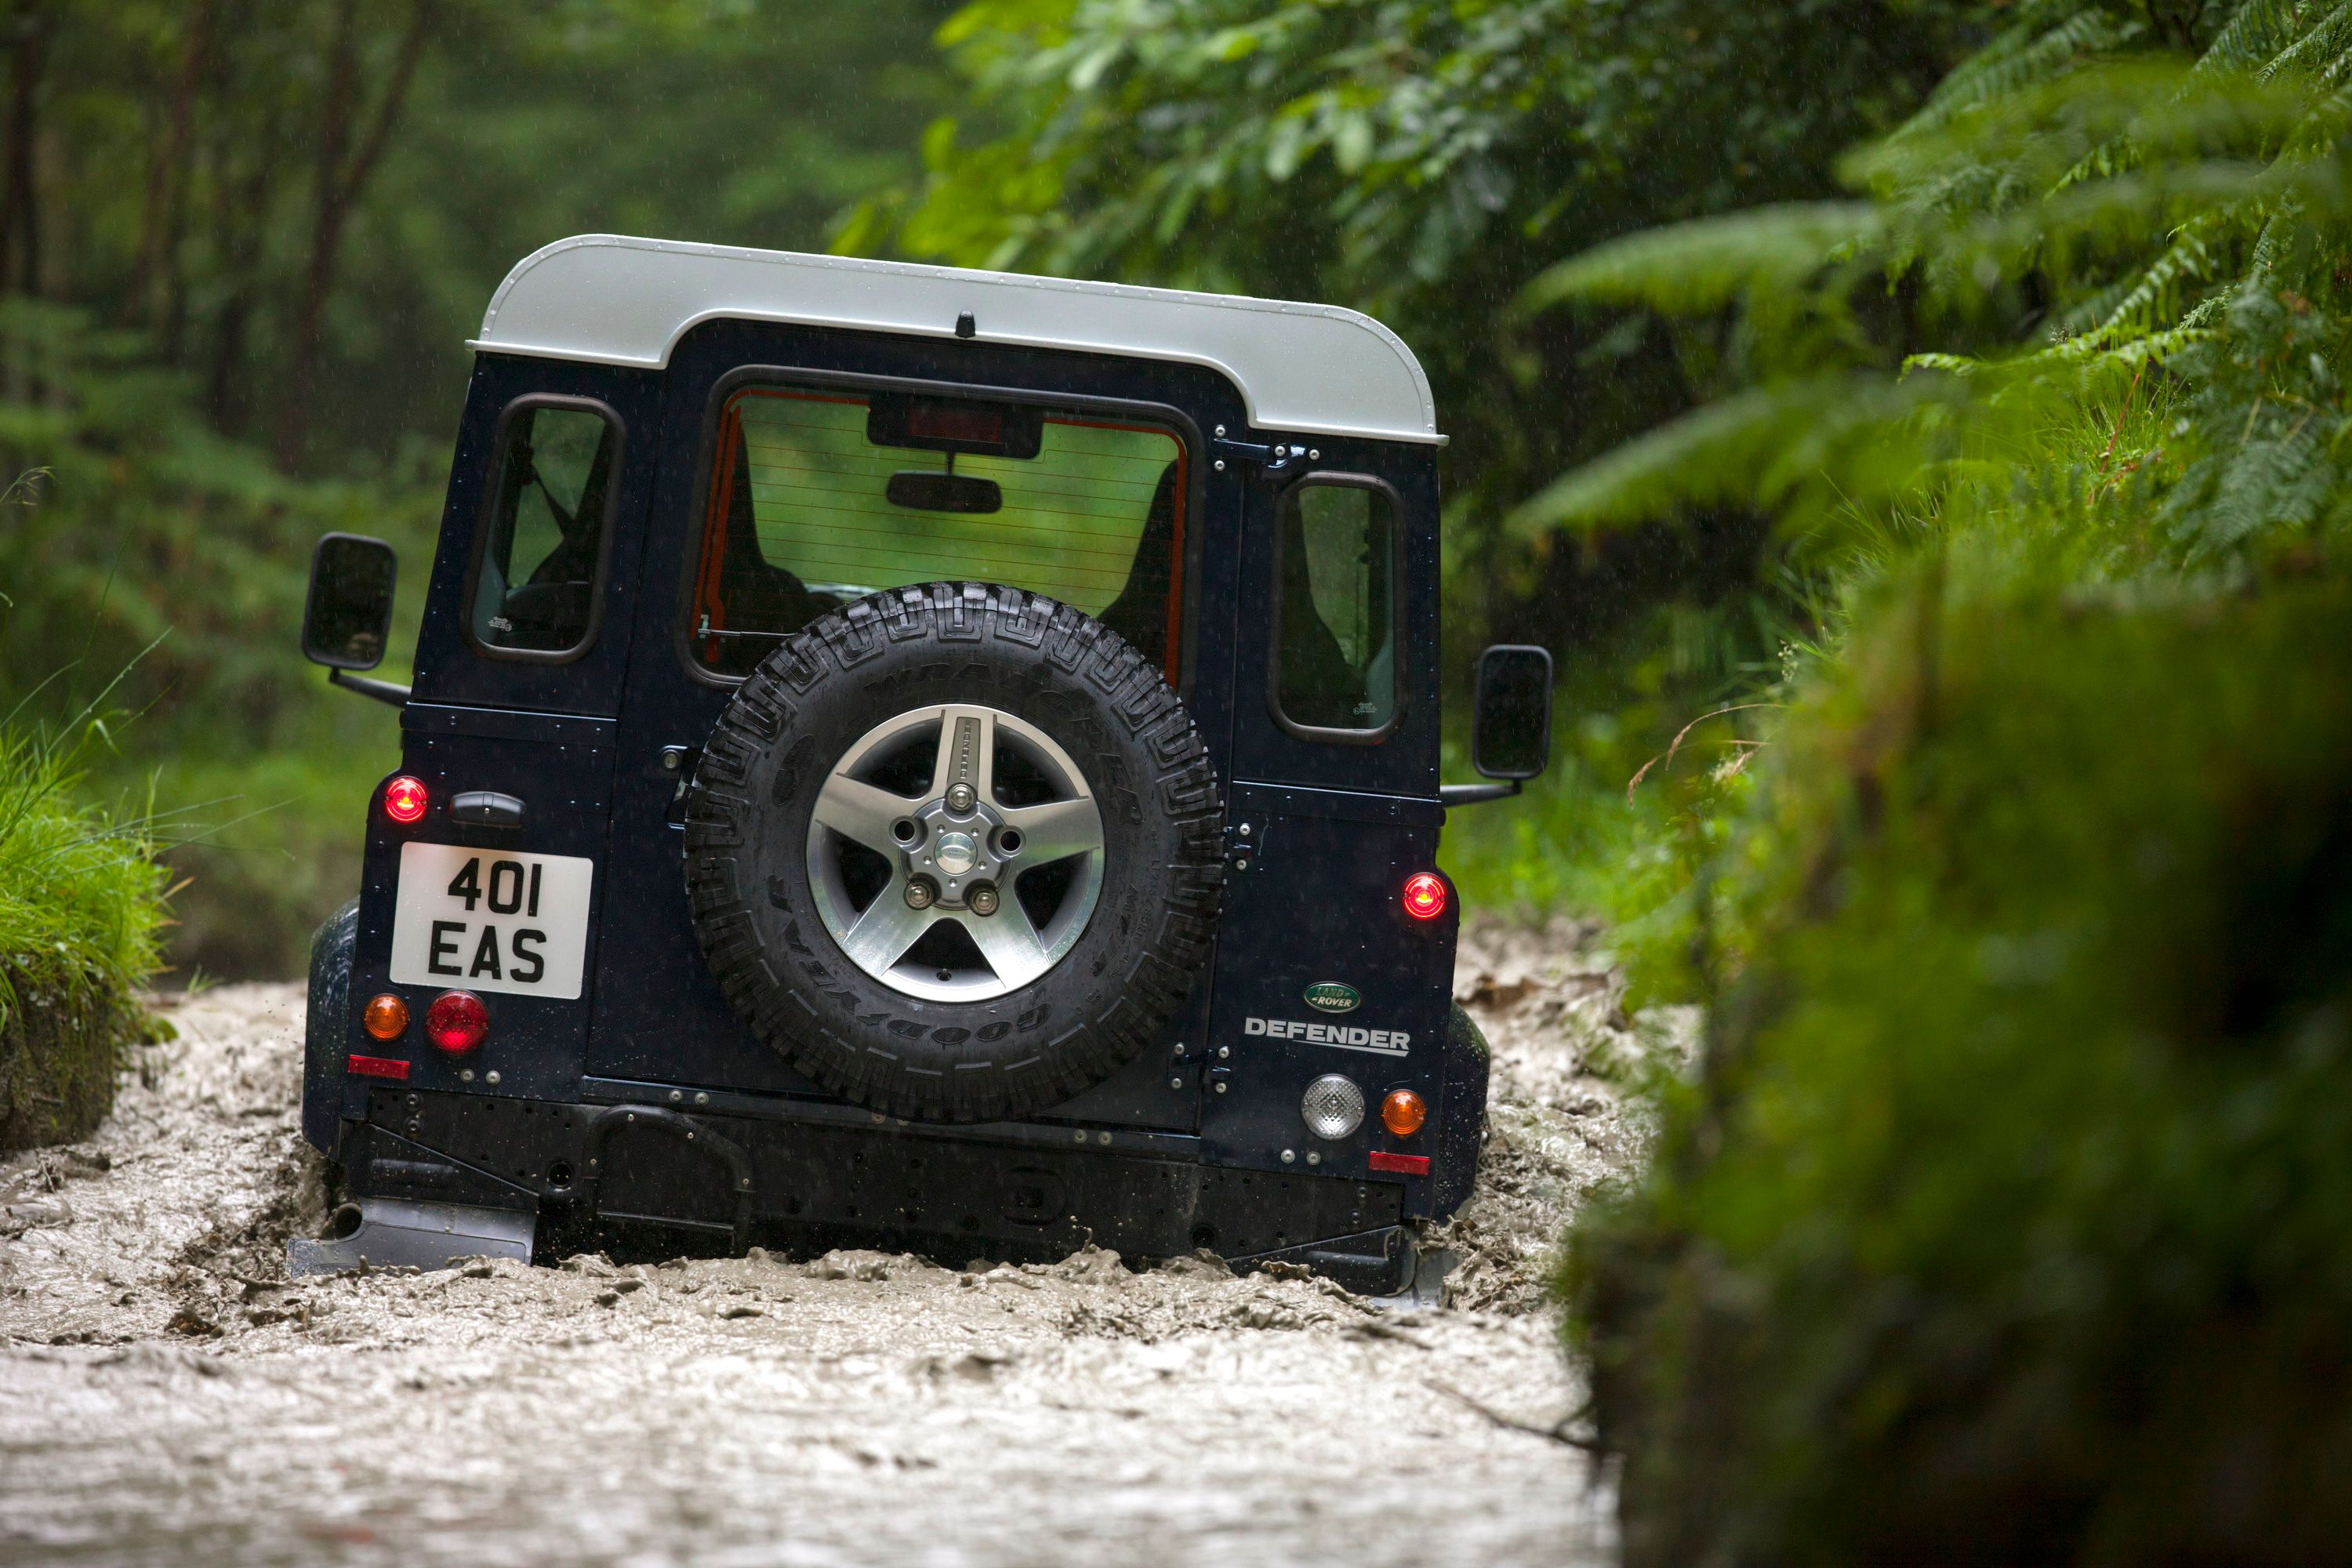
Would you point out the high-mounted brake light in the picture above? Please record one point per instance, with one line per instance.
(404, 799)
(1424, 895)
(457, 1021)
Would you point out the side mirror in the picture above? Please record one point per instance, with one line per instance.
(1511, 736)
(349, 616)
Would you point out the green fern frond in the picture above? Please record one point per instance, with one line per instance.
(1692, 267)
(2256, 33)
(1855, 434)
(2045, 41)
(2130, 275)
(2320, 53)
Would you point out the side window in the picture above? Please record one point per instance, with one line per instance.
(1335, 609)
(539, 560)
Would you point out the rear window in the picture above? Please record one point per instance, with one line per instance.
(821, 497)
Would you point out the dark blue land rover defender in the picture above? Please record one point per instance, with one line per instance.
(914, 758)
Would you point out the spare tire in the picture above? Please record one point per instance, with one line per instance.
(955, 851)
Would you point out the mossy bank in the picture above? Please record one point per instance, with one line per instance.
(81, 908)
(60, 1047)
(2011, 1217)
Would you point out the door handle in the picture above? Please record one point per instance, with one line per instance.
(485, 808)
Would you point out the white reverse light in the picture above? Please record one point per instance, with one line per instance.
(1334, 1106)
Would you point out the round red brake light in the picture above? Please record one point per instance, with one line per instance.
(1424, 895)
(404, 799)
(457, 1021)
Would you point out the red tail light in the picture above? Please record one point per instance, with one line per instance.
(404, 799)
(457, 1021)
(1424, 895)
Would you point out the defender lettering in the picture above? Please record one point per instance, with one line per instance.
(1346, 1037)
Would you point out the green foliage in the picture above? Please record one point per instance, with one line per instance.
(182, 150)
(163, 547)
(2073, 224)
(2008, 1220)
(209, 195)
(2089, 303)
(81, 901)
(155, 529)
(2004, 1222)
(1580, 839)
(156, 272)
(81, 916)
(1421, 160)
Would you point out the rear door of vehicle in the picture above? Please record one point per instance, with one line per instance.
(1335, 753)
(511, 727)
(662, 1025)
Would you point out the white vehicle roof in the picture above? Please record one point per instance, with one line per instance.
(1308, 369)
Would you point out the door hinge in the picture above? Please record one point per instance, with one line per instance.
(1272, 459)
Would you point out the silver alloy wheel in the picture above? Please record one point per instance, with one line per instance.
(957, 836)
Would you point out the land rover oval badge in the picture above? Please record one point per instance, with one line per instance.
(1332, 996)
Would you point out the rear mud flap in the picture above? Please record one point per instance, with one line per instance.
(393, 1234)
(1370, 1263)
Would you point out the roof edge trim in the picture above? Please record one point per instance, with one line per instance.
(616, 299)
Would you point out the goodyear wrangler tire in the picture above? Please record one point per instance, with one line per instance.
(955, 851)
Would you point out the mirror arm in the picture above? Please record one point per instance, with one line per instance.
(368, 686)
(1473, 794)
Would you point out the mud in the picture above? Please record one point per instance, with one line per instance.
(1565, 1112)
(167, 1396)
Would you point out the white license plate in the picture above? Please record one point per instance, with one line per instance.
(484, 920)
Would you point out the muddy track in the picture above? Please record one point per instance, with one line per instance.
(166, 1396)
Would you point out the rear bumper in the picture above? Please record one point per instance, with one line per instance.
(645, 1177)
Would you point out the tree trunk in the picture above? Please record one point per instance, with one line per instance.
(157, 288)
(339, 189)
(20, 209)
(241, 215)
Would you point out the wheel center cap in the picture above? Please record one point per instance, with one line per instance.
(955, 853)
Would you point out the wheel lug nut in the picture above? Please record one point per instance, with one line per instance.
(920, 894)
(983, 898)
(961, 797)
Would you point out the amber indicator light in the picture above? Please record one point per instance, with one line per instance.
(1404, 1112)
(385, 1017)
